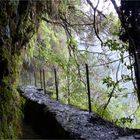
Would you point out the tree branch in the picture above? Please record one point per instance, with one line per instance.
(116, 8)
(114, 87)
(95, 8)
(70, 24)
(94, 24)
(108, 62)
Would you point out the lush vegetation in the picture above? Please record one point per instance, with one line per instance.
(68, 50)
(65, 35)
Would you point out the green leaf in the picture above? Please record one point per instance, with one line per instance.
(125, 95)
(108, 81)
(116, 33)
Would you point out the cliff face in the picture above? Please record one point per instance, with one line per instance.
(51, 119)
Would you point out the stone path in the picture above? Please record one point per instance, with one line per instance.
(80, 124)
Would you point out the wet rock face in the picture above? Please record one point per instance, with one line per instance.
(52, 119)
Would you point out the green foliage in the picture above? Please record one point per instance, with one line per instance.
(126, 78)
(50, 48)
(106, 114)
(124, 121)
(10, 113)
(109, 82)
(115, 45)
(10, 101)
(74, 43)
(14, 35)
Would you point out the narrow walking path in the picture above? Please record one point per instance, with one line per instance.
(76, 123)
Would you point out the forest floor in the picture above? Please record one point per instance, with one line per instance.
(80, 124)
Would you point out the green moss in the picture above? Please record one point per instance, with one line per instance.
(13, 37)
(10, 100)
(10, 118)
